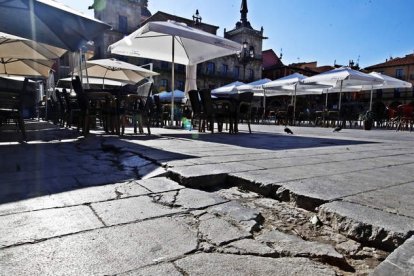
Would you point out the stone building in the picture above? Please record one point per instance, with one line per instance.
(125, 16)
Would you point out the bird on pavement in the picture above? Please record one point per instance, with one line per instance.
(337, 129)
(288, 131)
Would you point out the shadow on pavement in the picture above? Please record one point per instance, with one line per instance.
(269, 141)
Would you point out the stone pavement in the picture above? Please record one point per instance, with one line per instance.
(183, 203)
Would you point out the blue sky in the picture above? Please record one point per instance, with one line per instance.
(309, 30)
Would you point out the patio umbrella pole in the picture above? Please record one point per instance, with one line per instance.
(294, 104)
(370, 98)
(340, 97)
(264, 104)
(172, 83)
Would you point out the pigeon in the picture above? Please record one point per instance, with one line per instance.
(288, 131)
(337, 129)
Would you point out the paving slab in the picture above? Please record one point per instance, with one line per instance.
(131, 209)
(219, 231)
(228, 264)
(372, 226)
(76, 196)
(312, 192)
(105, 251)
(399, 262)
(45, 224)
(396, 199)
(160, 184)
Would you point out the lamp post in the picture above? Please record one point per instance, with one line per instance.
(197, 18)
(245, 55)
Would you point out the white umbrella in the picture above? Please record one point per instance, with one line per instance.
(230, 88)
(66, 82)
(20, 48)
(176, 43)
(25, 67)
(388, 82)
(256, 87)
(116, 70)
(48, 22)
(343, 79)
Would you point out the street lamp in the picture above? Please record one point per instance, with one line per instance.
(245, 55)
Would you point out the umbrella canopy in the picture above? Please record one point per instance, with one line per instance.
(227, 89)
(285, 86)
(256, 87)
(20, 48)
(116, 70)
(167, 96)
(176, 43)
(48, 22)
(25, 67)
(343, 79)
(66, 82)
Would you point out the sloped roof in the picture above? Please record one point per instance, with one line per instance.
(270, 59)
(407, 60)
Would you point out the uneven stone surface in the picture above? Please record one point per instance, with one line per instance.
(104, 205)
(225, 264)
(293, 246)
(400, 262)
(219, 231)
(366, 224)
(102, 252)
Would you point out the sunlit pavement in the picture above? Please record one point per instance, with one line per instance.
(180, 202)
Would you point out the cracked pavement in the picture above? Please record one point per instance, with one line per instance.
(183, 203)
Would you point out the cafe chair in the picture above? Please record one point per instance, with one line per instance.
(137, 108)
(244, 109)
(11, 108)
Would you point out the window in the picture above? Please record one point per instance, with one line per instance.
(251, 74)
(123, 24)
(180, 68)
(163, 85)
(211, 68)
(397, 93)
(236, 72)
(180, 85)
(164, 65)
(399, 73)
(224, 69)
(379, 94)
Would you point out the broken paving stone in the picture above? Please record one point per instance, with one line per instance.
(349, 247)
(365, 224)
(219, 231)
(228, 264)
(160, 184)
(248, 218)
(290, 245)
(248, 247)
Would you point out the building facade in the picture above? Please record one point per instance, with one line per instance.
(125, 16)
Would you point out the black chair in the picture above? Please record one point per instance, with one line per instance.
(244, 109)
(137, 107)
(218, 111)
(11, 108)
(197, 112)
